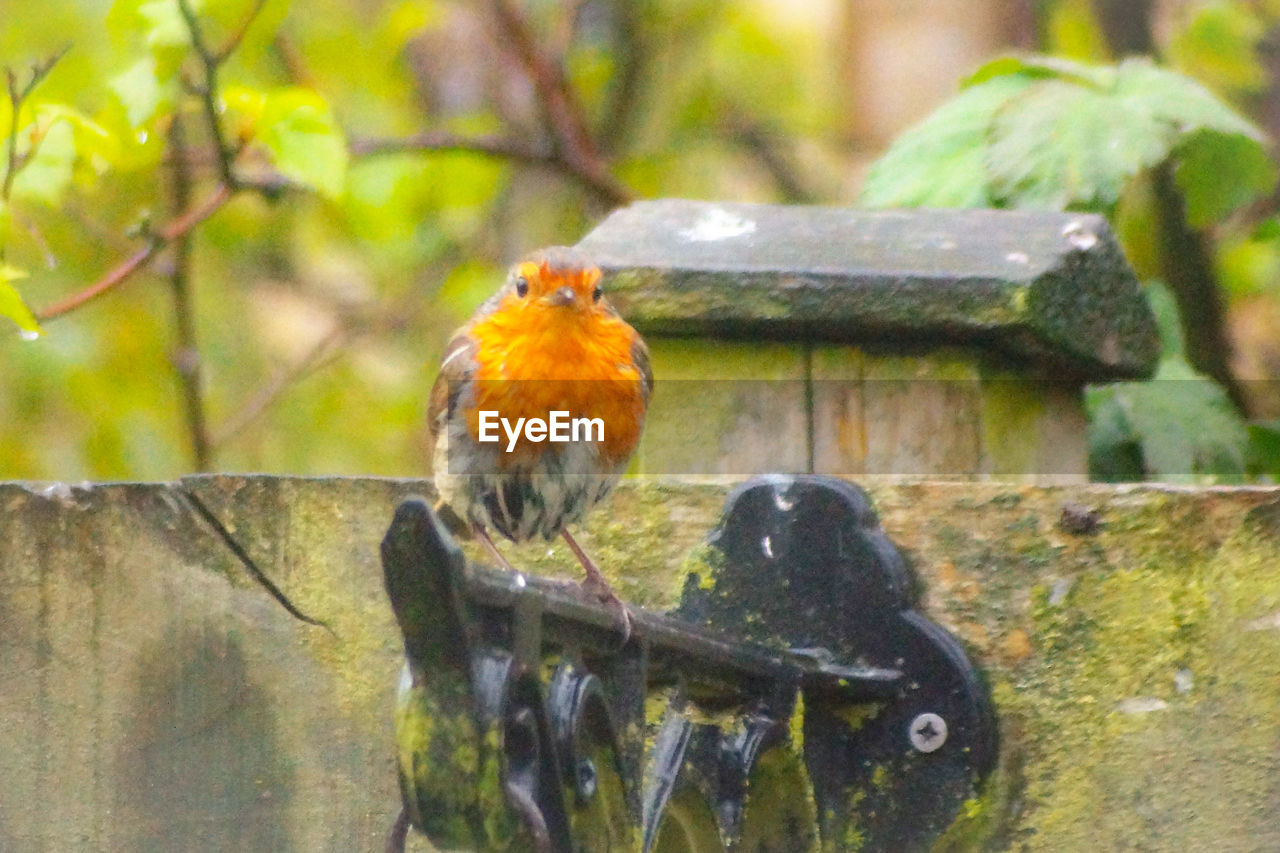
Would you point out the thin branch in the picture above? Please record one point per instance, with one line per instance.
(565, 118)
(567, 122)
(609, 189)
(177, 230)
(186, 356)
(234, 41)
(324, 352)
(631, 52)
(208, 92)
(33, 230)
(121, 273)
(18, 95)
(751, 135)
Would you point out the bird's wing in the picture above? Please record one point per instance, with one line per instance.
(640, 358)
(455, 369)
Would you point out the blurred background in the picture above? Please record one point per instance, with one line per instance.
(389, 157)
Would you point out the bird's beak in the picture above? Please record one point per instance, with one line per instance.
(561, 297)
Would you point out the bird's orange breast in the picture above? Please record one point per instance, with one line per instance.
(530, 363)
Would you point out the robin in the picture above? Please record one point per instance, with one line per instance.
(545, 356)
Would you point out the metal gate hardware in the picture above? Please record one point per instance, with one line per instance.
(793, 701)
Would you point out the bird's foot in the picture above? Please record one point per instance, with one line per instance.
(596, 587)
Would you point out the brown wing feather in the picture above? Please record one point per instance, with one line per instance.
(455, 369)
(640, 358)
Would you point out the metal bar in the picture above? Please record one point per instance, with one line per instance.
(679, 652)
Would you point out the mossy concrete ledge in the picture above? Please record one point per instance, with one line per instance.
(1047, 287)
(155, 695)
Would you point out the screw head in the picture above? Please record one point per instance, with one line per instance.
(927, 732)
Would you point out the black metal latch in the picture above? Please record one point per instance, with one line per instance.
(794, 701)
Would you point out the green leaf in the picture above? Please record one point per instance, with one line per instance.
(1249, 264)
(1072, 30)
(163, 29)
(1264, 450)
(297, 127)
(1178, 100)
(91, 138)
(164, 25)
(1059, 134)
(1063, 145)
(1219, 173)
(1179, 425)
(1219, 46)
(941, 162)
(11, 304)
(46, 176)
(139, 91)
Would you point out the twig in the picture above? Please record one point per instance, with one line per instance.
(548, 78)
(632, 56)
(608, 188)
(208, 92)
(186, 356)
(17, 95)
(565, 119)
(50, 260)
(183, 223)
(350, 329)
(237, 37)
(172, 231)
(751, 135)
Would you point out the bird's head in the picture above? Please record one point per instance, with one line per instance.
(558, 280)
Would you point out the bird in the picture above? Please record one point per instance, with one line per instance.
(547, 341)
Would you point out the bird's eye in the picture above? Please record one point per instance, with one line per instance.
(596, 294)
(522, 286)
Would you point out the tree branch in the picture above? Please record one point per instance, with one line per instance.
(630, 49)
(607, 188)
(1187, 265)
(186, 355)
(755, 138)
(208, 92)
(566, 121)
(237, 37)
(121, 273)
(17, 96)
(183, 223)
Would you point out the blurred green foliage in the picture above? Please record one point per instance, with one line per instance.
(1072, 132)
(390, 156)
(325, 287)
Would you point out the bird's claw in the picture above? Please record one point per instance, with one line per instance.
(596, 587)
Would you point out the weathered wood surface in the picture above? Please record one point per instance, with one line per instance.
(155, 697)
